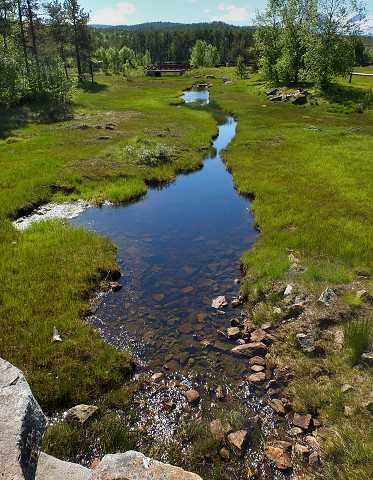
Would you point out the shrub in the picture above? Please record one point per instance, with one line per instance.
(148, 154)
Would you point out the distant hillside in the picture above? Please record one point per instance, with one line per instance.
(170, 26)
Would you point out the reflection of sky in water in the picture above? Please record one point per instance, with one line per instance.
(196, 96)
(178, 248)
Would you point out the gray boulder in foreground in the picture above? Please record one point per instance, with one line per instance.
(136, 466)
(51, 468)
(22, 424)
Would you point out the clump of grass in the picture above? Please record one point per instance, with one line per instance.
(149, 154)
(265, 313)
(358, 335)
(352, 299)
(80, 443)
(349, 453)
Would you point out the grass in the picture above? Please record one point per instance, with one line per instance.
(49, 271)
(358, 337)
(311, 172)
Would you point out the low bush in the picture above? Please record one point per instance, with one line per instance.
(149, 154)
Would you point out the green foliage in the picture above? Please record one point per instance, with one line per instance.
(149, 154)
(358, 336)
(304, 40)
(242, 70)
(204, 55)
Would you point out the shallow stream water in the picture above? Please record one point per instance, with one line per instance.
(179, 247)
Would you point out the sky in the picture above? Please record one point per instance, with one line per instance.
(123, 12)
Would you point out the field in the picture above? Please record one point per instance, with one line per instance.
(310, 169)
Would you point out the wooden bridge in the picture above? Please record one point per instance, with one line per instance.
(160, 68)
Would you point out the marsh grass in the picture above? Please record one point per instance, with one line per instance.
(358, 337)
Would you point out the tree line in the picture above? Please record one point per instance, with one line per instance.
(174, 42)
(313, 40)
(37, 43)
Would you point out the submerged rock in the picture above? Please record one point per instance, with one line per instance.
(50, 468)
(219, 302)
(22, 424)
(136, 466)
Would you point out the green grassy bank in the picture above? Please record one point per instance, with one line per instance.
(49, 271)
(310, 169)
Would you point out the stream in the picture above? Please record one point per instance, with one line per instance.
(178, 248)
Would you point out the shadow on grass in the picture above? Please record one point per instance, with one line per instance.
(348, 95)
(17, 117)
(89, 87)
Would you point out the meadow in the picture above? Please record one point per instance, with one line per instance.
(308, 168)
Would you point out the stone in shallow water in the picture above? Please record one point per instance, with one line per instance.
(219, 302)
(185, 328)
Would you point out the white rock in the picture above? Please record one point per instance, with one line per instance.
(51, 468)
(136, 466)
(327, 296)
(288, 290)
(22, 424)
(219, 302)
(56, 337)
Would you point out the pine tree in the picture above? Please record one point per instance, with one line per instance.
(242, 70)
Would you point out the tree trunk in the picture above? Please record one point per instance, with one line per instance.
(77, 51)
(23, 38)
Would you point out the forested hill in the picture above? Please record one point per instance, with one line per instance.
(173, 41)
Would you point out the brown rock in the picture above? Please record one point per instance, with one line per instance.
(156, 376)
(279, 457)
(185, 328)
(257, 361)
(220, 392)
(201, 317)
(314, 459)
(81, 413)
(312, 442)
(257, 377)
(158, 297)
(192, 396)
(233, 332)
(258, 335)
(224, 454)
(219, 429)
(188, 289)
(302, 421)
(277, 406)
(237, 439)
(300, 449)
(250, 349)
(257, 368)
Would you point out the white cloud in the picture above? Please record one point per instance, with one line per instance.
(116, 15)
(231, 14)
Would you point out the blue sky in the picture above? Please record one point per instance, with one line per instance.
(114, 12)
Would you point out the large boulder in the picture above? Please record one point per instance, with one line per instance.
(51, 468)
(136, 466)
(22, 424)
